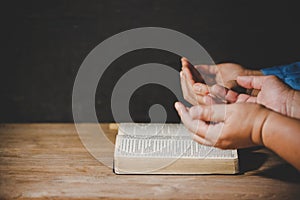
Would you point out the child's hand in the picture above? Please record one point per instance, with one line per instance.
(234, 125)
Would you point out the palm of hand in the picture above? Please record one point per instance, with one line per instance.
(223, 72)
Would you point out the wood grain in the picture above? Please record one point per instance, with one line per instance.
(48, 161)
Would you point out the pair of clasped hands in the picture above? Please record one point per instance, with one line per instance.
(225, 118)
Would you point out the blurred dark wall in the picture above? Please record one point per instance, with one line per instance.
(44, 42)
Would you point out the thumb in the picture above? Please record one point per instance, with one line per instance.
(251, 82)
(182, 110)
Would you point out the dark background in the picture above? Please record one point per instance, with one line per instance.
(43, 44)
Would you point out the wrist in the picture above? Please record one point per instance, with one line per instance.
(258, 132)
(293, 104)
(267, 132)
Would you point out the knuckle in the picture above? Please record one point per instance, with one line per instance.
(207, 112)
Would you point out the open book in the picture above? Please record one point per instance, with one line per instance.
(167, 149)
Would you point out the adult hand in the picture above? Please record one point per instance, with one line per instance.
(274, 94)
(243, 125)
(202, 84)
(189, 76)
(224, 132)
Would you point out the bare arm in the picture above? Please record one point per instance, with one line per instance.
(282, 135)
(243, 125)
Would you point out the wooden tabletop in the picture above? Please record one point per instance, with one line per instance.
(49, 161)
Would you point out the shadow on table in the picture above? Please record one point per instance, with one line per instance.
(283, 172)
(251, 159)
(257, 162)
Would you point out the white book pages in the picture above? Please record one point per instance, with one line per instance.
(163, 141)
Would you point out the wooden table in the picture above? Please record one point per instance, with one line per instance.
(49, 161)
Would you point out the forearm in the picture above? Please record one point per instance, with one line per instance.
(293, 105)
(282, 135)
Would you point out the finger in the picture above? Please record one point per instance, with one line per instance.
(214, 113)
(245, 98)
(208, 134)
(242, 98)
(184, 58)
(208, 100)
(231, 84)
(201, 140)
(251, 99)
(205, 99)
(219, 91)
(188, 75)
(195, 112)
(200, 88)
(193, 72)
(184, 78)
(196, 126)
(231, 96)
(190, 95)
(183, 83)
(250, 82)
(183, 112)
(201, 99)
(181, 74)
(187, 90)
